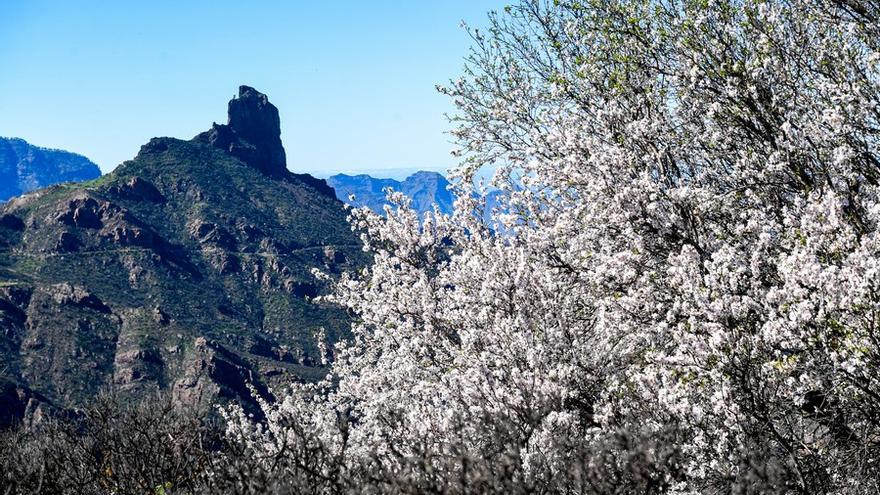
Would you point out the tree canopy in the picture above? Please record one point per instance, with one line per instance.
(679, 292)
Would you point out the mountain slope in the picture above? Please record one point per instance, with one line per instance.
(187, 268)
(24, 167)
(425, 189)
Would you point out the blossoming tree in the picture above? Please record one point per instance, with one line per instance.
(680, 290)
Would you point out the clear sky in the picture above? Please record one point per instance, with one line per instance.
(353, 80)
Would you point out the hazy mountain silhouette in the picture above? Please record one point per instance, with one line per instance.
(24, 167)
(425, 189)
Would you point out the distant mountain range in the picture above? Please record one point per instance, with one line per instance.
(425, 189)
(25, 167)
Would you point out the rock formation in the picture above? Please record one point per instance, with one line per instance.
(252, 134)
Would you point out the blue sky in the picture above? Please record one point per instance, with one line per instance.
(353, 80)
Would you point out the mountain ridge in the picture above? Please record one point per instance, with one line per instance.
(426, 189)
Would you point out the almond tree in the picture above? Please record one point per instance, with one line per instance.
(679, 292)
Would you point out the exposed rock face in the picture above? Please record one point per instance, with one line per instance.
(83, 212)
(67, 345)
(188, 268)
(138, 189)
(208, 233)
(367, 191)
(253, 133)
(19, 403)
(66, 294)
(212, 372)
(112, 222)
(24, 167)
(256, 121)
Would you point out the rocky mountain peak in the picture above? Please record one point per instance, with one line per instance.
(252, 133)
(188, 268)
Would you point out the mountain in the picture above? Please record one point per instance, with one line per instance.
(188, 268)
(24, 167)
(368, 191)
(425, 189)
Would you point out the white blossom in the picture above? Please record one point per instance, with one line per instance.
(687, 253)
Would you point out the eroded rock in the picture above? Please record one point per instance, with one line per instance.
(252, 133)
(66, 294)
(84, 213)
(211, 373)
(138, 189)
(20, 404)
(213, 234)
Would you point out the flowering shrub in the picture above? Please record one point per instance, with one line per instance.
(680, 291)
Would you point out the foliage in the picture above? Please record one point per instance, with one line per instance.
(684, 293)
(110, 447)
